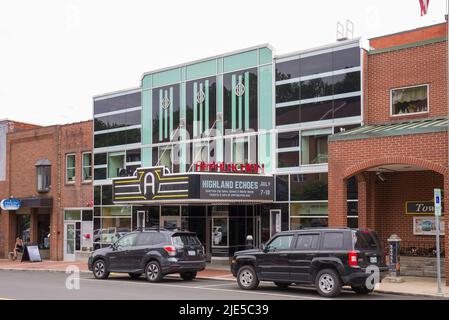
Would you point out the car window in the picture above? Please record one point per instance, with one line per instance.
(280, 243)
(366, 240)
(127, 241)
(180, 240)
(333, 240)
(150, 239)
(307, 242)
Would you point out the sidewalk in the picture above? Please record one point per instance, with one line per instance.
(416, 286)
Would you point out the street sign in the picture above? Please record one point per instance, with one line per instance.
(437, 200)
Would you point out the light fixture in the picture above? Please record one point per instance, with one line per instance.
(381, 176)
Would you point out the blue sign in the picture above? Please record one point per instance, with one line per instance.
(10, 204)
(437, 200)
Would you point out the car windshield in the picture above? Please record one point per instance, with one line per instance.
(366, 240)
(188, 239)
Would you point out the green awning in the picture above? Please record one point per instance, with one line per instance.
(393, 129)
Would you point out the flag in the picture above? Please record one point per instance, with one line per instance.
(424, 6)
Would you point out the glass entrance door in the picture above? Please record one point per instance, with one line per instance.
(141, 219)
(170, 217)
(275, 222)
(69, 241)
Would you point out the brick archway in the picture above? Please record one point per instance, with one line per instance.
(363, 166)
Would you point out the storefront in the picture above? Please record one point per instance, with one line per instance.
(222, 208)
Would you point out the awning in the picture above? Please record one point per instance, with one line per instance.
(33, 202)
(393, 129)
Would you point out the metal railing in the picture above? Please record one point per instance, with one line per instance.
(417, 249)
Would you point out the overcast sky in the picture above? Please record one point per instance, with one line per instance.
(55, 55)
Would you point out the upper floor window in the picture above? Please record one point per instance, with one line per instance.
(87, 166)
(70, 168)
(43, 175)
(410, 100)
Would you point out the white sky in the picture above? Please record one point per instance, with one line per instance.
(56, 54)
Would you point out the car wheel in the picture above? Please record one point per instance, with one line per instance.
(153, 271)
(282, 285)
(134, 275)
(362, 289)
(328, 283)
(247, 278)
(99, 269)
(188, 276)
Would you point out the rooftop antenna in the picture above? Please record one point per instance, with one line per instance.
(345, 33)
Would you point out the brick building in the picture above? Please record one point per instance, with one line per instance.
(49, 170)
(400, 153)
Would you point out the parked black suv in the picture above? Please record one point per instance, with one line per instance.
(327, 258)
(155, 253)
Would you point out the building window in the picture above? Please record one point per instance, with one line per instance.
(43, 178)
(87, 166)
(70, 168)
(409, 100)
(116, 165)
(314, 146)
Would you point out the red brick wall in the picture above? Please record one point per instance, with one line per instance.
(411, 36)
(407, 67)
(24, 148)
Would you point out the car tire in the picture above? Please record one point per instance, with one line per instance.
(247, 278)
(134, 275)
(153, 271)
(328, 283)
(188, 276)
(361, 289)
(282, 285)
(99, 269)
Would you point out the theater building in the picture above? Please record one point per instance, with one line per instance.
(48, 173)
(227, 146)
(400, 153)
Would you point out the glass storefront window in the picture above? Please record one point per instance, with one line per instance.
(116, 211)
(112, 229)
(288, 159)
(287, 92)
(308, 187)
(220, 231)
(319, 209)
(281, 188)
(314, 146)
(70, 215)
(166, 101)
(43, 231)
(240, 150)
(297, 223)
(287, 115)
(288, 139)
(287, 70)
(23, 224)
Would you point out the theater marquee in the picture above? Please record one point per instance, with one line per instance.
(156, 184)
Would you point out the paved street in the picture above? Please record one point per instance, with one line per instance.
(51, 285)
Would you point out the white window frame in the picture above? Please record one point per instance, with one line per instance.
(84, 166)
(67, 168)
(413, 113)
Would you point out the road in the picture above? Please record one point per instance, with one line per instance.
(32, 285)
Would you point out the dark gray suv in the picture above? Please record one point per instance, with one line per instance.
(154, 253)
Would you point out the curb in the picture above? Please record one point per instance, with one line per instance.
(413, 294)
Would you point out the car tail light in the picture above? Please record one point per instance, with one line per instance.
(352, 259)
(171, 250)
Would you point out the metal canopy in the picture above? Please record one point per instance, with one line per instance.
(393, 129)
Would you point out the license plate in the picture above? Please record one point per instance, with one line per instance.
(192, 253)
(373, 259)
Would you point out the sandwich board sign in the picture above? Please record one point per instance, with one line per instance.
(31, 253)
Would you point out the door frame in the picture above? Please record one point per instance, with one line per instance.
(279, 212)
(71, 256)
(141, 219)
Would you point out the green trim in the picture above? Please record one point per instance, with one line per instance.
(233, 103)
(206, 108)
(201, 70)
(195, 111)
(171, 113)
(247, 101)
(166, 116)
(239, 61)
(409, 45)
(161, 110)
(166, 77)
(241, 104)
(201, 112)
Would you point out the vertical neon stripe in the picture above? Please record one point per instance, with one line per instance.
(171, 113)
(161, 124)
(240, 106)
(206, 107)
(166, 116)
(201, 112)
(247, 100)
(195, 112)
(233, 103)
